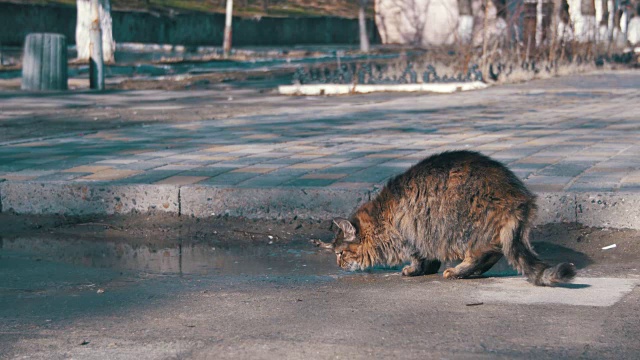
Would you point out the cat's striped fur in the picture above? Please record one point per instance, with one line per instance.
(457, 205)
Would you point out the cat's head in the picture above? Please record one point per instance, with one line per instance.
(347, 246)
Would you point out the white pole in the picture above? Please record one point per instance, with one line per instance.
(96, 61)
(539, 23)
(226, 45)
(362, 23)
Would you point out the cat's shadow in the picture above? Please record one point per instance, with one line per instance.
(515, 274)
(492, 274)
(573, 286)
(549, 252)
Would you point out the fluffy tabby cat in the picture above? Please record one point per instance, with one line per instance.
(457, 205)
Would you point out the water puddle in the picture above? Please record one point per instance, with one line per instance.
(33, 267)
(51, 276)
(210, 258)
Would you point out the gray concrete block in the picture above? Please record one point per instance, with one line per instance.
(555, 207)
(86, 199)
(272, 203)
(609, 209)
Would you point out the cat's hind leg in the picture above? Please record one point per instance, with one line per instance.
(488, 262)
(473, 265)
(421, 266)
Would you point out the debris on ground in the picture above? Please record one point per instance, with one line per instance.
(475, 304)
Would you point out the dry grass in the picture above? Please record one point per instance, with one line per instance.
(521, 75)
(505, 63)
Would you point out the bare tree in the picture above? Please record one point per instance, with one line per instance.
(417, 22)
(416, 19)
(83, 28)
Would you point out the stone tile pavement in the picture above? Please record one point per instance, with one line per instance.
(578, 134)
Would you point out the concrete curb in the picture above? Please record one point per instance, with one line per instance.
(605, 209)
(87, 199)
(344, 89)
(271, 203)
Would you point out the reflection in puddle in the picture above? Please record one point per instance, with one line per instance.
(298, 260)
(197, 259)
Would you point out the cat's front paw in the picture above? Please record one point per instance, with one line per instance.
(450, 273)
(411, 270)
(321, 244)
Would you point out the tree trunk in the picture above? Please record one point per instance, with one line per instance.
(588, 7)
(555, 19)
(605, 13)
(465, 22)
(96, 63)
(529, 28)
(83, 28)
(539, 30)
(226, 42)
(564, 11)
(589, 30)
(485, 41)
(617, 19)
(362, 22)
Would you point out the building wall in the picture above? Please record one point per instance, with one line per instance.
(16, 21)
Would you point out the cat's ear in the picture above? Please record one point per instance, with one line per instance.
(346, 227)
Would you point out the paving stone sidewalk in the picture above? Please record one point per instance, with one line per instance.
(567, 135)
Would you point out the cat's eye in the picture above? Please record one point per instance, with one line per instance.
(339, 253)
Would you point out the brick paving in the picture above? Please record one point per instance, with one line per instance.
(579, 133)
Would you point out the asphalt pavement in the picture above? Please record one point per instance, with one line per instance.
(77, 298)
(573, 140)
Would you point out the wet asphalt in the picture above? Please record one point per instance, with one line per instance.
(81, 299)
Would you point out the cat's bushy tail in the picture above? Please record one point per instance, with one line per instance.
(519, 253)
